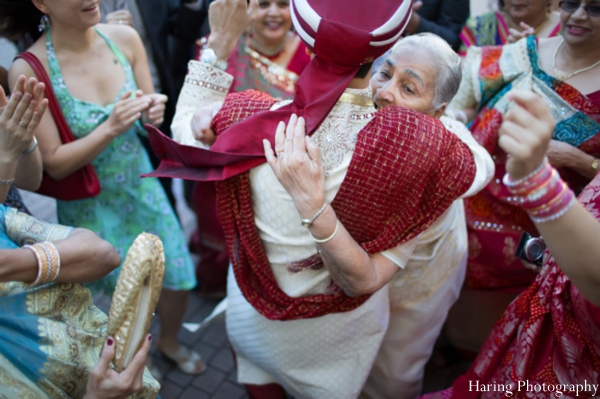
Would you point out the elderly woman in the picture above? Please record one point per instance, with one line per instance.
(511, 21)
(52, 334)
(546, 344)
(563, 71)
(423, 73)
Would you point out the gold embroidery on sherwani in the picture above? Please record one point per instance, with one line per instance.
(336, 136)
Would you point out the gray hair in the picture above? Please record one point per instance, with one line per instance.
(446, 61)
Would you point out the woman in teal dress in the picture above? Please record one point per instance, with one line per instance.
(101, 79)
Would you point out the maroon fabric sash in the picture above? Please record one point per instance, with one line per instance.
(405, 171)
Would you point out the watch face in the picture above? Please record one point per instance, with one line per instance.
(208, 56)
(534, 249)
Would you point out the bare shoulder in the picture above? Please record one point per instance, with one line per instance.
(22, 67)
(125, 37)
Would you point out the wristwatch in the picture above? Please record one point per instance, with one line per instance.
(208, 56)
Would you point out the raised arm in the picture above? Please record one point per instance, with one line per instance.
(573, 238)
(19, 116)
(206, 84)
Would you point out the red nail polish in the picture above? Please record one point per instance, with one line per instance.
(110, 341)
(149, 337)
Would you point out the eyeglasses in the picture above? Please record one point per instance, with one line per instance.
(593, 10)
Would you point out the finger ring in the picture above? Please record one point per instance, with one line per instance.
(23, 124)
(120, 22)
(279, 152)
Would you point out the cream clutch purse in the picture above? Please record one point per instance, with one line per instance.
(135, 297)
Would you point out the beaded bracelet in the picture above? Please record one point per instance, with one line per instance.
(532, 181)
(542, 193)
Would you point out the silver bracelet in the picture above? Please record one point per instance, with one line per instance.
(324, 240)
(33, 147)
(7, 182)
(309, 222)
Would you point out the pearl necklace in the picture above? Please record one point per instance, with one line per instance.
(562, 76)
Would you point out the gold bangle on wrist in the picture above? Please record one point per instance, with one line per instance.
(595, 165)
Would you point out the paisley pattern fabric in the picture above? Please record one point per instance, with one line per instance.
(550, 334)
(50, 336)
(127, 204)
(494, 223)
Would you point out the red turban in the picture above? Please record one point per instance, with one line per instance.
(343, 35)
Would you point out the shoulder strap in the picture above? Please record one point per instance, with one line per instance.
(63, 128)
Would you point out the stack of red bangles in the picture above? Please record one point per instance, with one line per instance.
(48, 260)
(542, 193)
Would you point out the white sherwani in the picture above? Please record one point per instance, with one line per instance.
(325, 357)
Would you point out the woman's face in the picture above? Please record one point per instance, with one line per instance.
(578, 26)
(84, 13)
(273, 21)
(526, 10)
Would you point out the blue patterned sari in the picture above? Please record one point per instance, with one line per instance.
(50, 336)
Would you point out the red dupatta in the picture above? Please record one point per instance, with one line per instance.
(405, 171)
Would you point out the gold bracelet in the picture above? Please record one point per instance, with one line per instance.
(55, 259)
(595, 165)
(42, 266)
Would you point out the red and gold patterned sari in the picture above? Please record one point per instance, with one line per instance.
(549, 335)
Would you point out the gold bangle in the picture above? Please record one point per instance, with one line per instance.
(595, 164)
(42, 266)
(55, 260)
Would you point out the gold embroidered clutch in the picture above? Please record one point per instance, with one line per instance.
(135, 297)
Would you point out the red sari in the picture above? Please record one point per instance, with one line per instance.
(550, 334)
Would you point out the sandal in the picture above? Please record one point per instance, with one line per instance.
(187, 360)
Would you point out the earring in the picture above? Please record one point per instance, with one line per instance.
(44, 23)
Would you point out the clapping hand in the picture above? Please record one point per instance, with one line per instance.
(515, 35)
(20, 116)
(155, 112)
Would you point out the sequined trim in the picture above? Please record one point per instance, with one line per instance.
(208, 85)
(336, 137)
